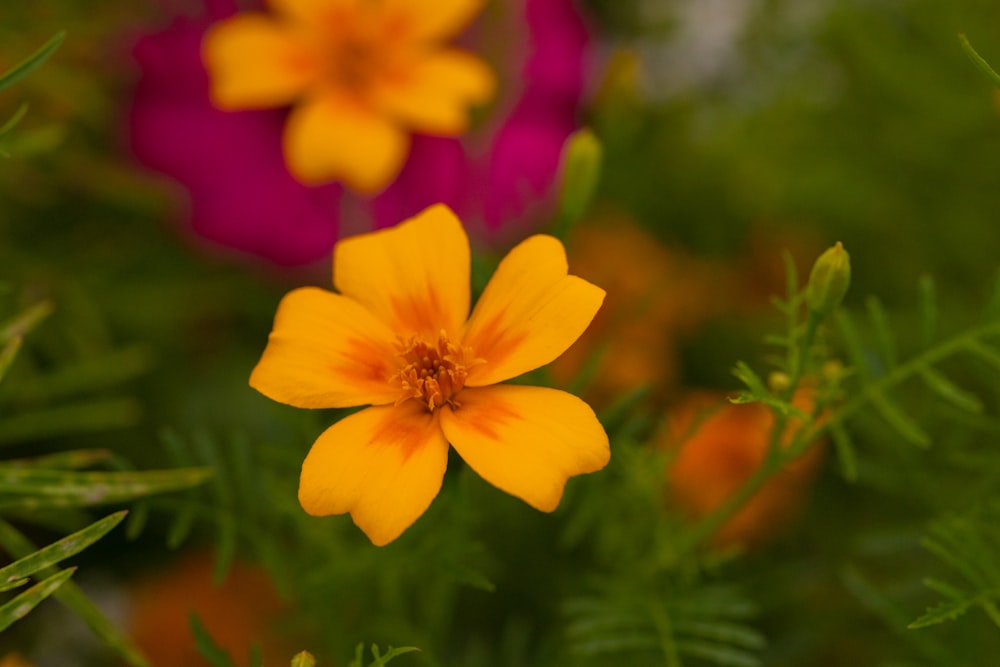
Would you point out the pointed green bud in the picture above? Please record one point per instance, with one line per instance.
(829, 280)
(304, 659)
(581, 167)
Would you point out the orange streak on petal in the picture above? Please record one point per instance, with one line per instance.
(527, 441)
(384, 465)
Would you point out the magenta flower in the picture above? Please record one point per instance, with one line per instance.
(243, 196)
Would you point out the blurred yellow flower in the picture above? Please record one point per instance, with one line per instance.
(359, 75)
(399, 337)
(14, 660)
(717, 445)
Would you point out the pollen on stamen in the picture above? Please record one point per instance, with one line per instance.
(432, 373)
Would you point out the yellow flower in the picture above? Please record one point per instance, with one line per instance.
(359, 74)
(399, 337)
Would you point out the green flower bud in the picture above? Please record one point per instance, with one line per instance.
(778, 382)
(581, 167)
(829, 280)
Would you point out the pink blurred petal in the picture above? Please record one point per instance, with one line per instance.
(523, 164)
(436, 171)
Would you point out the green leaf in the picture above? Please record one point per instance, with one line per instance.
(883, 332)
(8, 353)
(22, 323)
(206, 646)
(96, 372)
(717, 654)
(845, 451)
(945, 611)
(72, 460)
(945, 589)
(33, 488)
(898, 420)
(984, 352)
(81, 417)
(72, 597)
(19, 607)
(747, 376)
(182, 524)
(950, 392)
(12, 575)
(22, 69)
(13, 120)
(852, 341)
(928, 310)
(978, 60)
(734, 634)
(382, 660)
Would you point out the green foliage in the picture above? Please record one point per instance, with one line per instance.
(19, 607)
(708, 623)
(18, 72)
(968, 544)
(29, 486)
(15, 574)
(379, 659)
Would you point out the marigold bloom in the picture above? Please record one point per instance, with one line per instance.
(359, 76)
(231, 163)
(719, 454)
(399, 337)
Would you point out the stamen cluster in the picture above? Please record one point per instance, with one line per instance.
(433, 374)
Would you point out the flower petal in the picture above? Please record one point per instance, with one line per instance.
(254, 63)
(433, 93)
(526, 441)
(309, 11)
(334, 137)
(326, 351)
(530, 312)
(384, 465)
(432, 21)
(414, 276)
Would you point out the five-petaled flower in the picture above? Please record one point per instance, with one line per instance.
(360, 76)
(399, 337)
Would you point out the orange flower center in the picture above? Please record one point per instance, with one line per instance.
(361, 48)
(354, 64)
(433, 374)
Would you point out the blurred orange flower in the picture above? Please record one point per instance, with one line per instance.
(14, 660)
(399, 337)
(657, 296)
(238, 614)
(717, 445)
(360, 76)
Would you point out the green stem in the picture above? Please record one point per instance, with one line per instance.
(665, 630)
(776, 457)
(903, 372)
